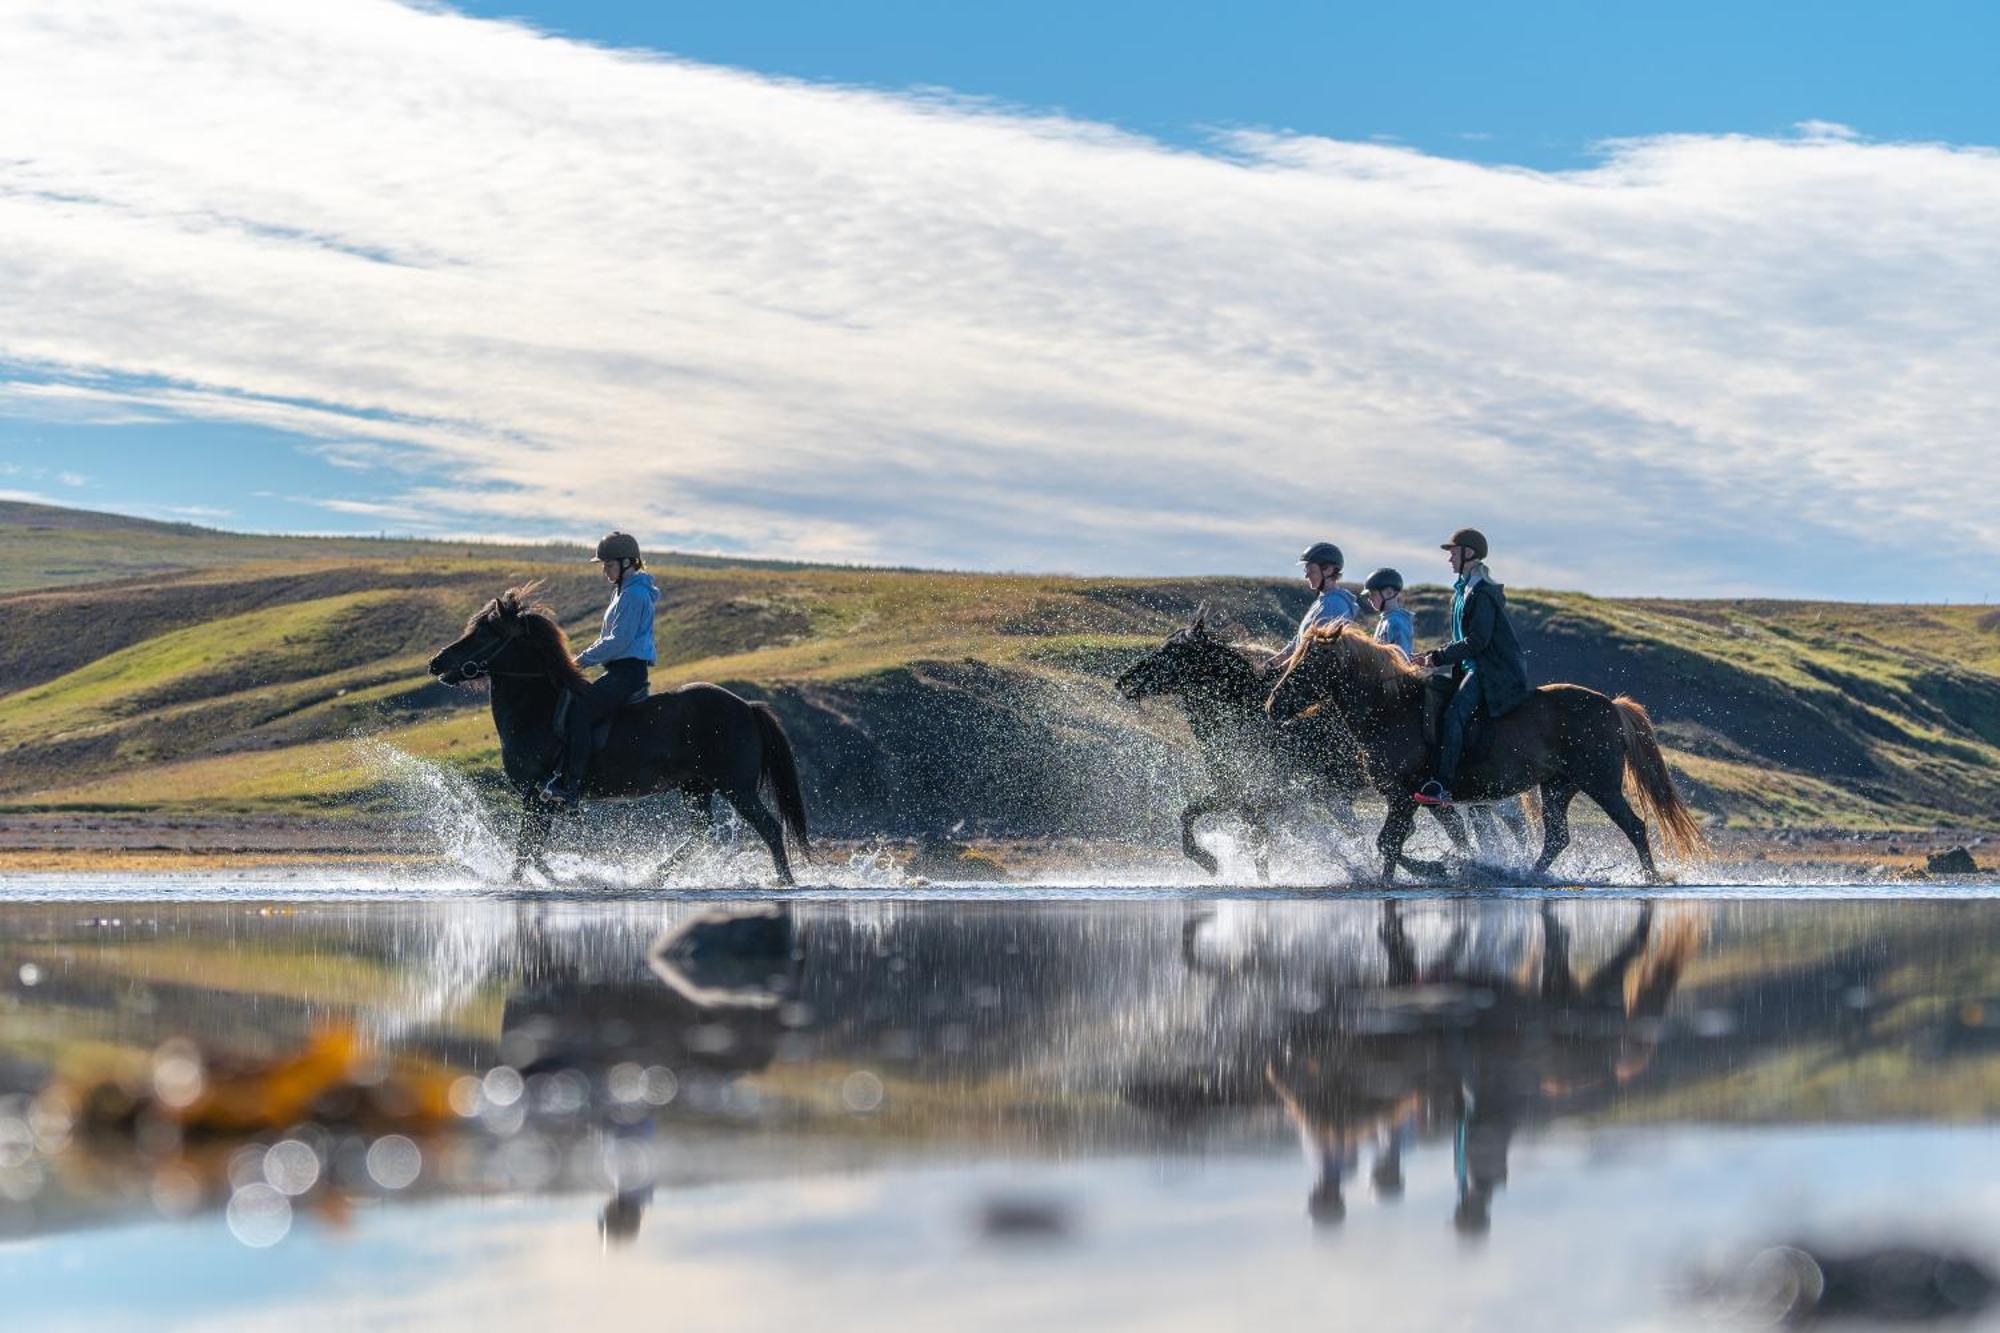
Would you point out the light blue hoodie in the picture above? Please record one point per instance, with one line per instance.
(1335, 604)
(628, 623)
(1396, 626)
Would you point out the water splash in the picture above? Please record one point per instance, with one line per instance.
(442, 806)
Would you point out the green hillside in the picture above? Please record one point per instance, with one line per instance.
(155, 667)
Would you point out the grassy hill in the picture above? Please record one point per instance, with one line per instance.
(162, 667)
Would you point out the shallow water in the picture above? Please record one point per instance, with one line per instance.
(320, 1100)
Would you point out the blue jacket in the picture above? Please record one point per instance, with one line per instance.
(1485, 643)
(1335, 604)
(628, 623)
(1396, 626)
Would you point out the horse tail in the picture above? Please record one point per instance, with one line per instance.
(1651, 982)
(778, 773)
(1649, 985)
(1649, 782)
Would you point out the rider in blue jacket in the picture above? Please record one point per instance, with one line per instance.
(1323, 562)
(1383, 594)
(624, 648)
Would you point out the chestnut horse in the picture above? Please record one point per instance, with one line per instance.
(1562, 740)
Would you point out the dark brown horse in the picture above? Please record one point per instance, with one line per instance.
(1565, 739)
(699, 740)
(1256, 769)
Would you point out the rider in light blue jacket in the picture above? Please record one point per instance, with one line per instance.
(1383, 594)
(624, 648)
(1323, 562)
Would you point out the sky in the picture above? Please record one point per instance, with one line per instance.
(1693, 299)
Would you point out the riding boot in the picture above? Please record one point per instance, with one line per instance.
(1451, 742)
(565, 785)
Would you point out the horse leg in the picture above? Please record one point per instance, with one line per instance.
(1395, 832)
(1627, 819)
(759, 817)
(1555, 823)
(1609, 982)
(1558, 978)
(531, 838)
(1396, 944)
(1259, 825)
(700, 809)
(1191, 940)
(1192, 850)
(1453, 824)
(1513, 817)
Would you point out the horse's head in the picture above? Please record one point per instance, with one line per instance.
(1187, 660)
(494, 633)
(1319, 670)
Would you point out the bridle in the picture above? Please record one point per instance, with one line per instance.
(482, 667)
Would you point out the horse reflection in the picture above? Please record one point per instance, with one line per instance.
(1496, 1029)
(703, 1002)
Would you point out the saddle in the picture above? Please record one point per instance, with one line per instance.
(600, 733)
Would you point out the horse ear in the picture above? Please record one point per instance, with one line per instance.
(1200, 622)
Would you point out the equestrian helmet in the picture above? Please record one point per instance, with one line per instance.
(1322, 553)
(1472, 538)
(617, 546)
(1384, 580)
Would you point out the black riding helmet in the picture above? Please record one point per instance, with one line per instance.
(617, 546)
(1384, 580)
(1323, 553)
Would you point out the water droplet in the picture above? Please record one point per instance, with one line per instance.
(292, 1167)
(394, 1162)
(502, 1085)
(259, 1216)
(861, 1092)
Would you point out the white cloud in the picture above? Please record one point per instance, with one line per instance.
(562, 286)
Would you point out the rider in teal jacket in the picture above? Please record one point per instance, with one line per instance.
(1484, 655)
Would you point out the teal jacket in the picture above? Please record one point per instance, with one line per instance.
(1485, 643)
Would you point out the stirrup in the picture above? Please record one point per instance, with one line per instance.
(1432, 793)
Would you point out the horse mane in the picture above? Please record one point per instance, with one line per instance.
(1242, 653)
(1378, 668)
(538, 618)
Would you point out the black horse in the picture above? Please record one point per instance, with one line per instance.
(699, 740)
(1256, 769)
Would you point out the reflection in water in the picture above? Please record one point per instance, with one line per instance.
(1473, 1042)
(303, 1061)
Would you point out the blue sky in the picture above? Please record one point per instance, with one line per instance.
(1536, 84)
(1670, 299)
